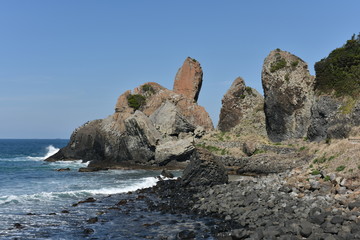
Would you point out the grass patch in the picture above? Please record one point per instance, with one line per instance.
(348, 106)
(302, 148)
(214, 149)
(327, 178)
(279, 64)
(259, 151)
(340, 168)
(315, 172)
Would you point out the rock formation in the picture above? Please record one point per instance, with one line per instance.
(188, 79)
(204, 170)
(333, 117)
(289, 90)
(151, 126)
(242, 110)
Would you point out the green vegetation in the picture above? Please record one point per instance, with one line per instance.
(214, 149)
(327, 178)
(340, 168)
(294, 63)
(340, 71)
(249, 90)
(315, 172)
(258, 151)
(287, 77)
(302, 148)
(279, 64)
(348, 106)
(136, 101)
(148, 88)
(323, 159)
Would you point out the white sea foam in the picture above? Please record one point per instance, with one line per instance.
(51, 196)
(51, 150)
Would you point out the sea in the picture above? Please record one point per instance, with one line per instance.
(39, 202)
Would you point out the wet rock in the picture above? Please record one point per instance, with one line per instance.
(166, 174)
(88, 231)
(18, 226)
(186, 235)
(63, 169)
(92, 220)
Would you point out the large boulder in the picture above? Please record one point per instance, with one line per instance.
(204, 170)
(188, 79)
(242, 110)
(289, 93)
(179, 150)
(169, 121)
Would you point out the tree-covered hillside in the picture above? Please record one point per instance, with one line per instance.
(340, 71)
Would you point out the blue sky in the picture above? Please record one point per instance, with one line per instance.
(63, 63)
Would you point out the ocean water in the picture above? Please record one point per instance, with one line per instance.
(36, 201)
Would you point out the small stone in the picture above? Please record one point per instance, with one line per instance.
(337, 220)
(305, 229)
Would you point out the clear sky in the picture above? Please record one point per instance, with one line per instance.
(65, 62)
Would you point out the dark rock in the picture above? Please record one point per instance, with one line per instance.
(288, 92)
(122, 202)
(88, 231)
(92, 220)
(186, 235)
(65, 211)
(92, 169)
(204, 170)
(167, 174)
(63, 169)
(337, 220)
(18, 226)
(305, 229)
(353, 205)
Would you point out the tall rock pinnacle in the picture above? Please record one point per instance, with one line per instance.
(289, 93)
(242, 110)
(188, 79)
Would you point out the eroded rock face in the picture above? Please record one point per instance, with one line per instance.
(204, 170)
(188, 79)
(289, 92)
(333, 117)
(242, 110)
(169, 121)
